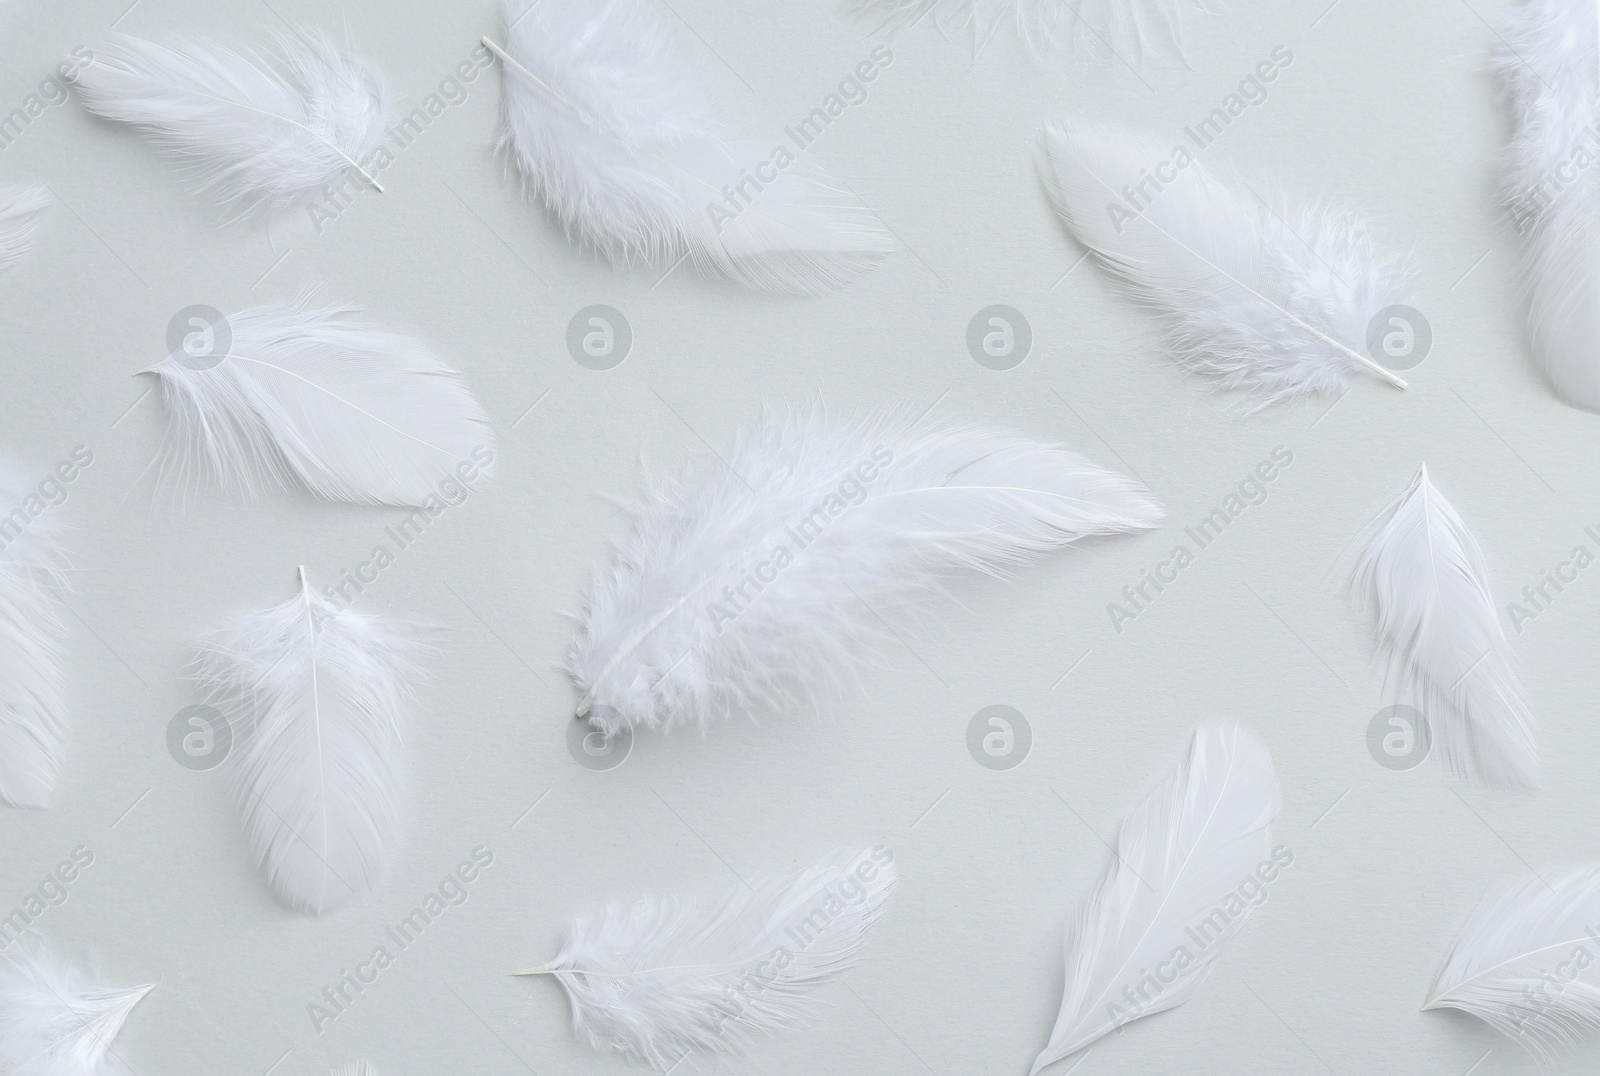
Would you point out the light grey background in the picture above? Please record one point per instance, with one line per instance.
(1386, 108)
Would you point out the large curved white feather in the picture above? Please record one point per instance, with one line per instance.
(55, 1020)
(756, 586)
(314, 398)
(609, 126)
(662, 978)
(1426, 576)
(313, 697)
(1172, 899)
(21, 211)
(1274, 303)
(256, 131)
(1113, 24)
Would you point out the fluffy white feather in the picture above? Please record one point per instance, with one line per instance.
(21, 210)
(55, 1020)
(1528, 961)
(1273, 302)
(1172, 899)
(1113, 24)
(33, 711)
(314, 698)
(294, 396)
(608, 125)
(753, 586)
(1426, 576)
(356, 1068)
(660, 979)
(258, 130)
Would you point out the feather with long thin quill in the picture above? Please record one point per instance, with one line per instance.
(756, 586)
(1111, 24)
(660, 979)
(21, 211)
(257, 131)
(56, 1020)
(608, 125)
(1425, 574)
(1190, 865)
(313, 696)
(1275, 303)
(311, 397)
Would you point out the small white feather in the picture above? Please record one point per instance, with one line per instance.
(55, 1020)
(697, 618)
(660, 979)
(1426, 576)
(1181, 859)
(356, 1068)
(21, 211)
(1114, 25)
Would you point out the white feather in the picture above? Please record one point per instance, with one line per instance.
(608, 125)
(257, 131)
(1181, 859)
(660, 979)
(356, 1068)
(1437, 622)
(656, 645)
(33, 711)
(21, 211)
(313, 697)
(1528, 961)
(1272, 302)
(316, 399)
(55, 1020)
(1109, 24)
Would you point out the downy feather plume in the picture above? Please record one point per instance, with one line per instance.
(1273, 302)
(608, 124)
(752, 586)
(1526, 962)
(33, 711)
(55, 1020)
(660, 979)
(313, 696)
(1114, 25)
(1437, 623)
(257, 131)
(1150, 936)
(21, 209)
(311, 397)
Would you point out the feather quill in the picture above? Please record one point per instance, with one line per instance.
(257, 131)
(1426, 576)
(753, 587)
(1181, 859)
(21, 210)
(660, 979)
(607, 124)
(1275, 304)
(292, 396)
(1113, 24)
(313, 696)
(55, 1020)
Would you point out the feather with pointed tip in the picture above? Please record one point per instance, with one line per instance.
(1110, 24)
(21, 210)
(1426, 576)
(1181, 859)
(659, 979)
(608, 124)
(755, 586)
(289, 396)
(256, 131)
(1273, 303)
(55, 1020)
(313, 696)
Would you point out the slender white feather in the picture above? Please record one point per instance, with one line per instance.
(55, 1020)
(314, 398)
(1272, 302)
(33, 711)
(1426, 576)
(257, 131)
(754, 587)
(1190, 865)
(1116, 25)
(21, 210)
(314, 696)
(608, 125)
(660, 979)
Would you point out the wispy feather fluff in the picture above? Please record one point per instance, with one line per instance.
(296, 396)
(1528, 961)
(256, 130)
(1273, 302)
(314, 696)
(608, 125)
(1191, 865)
(662, 978)
(55, 1020)
(1114, 24)
(753, 587)
(21, 210)
(1426, 576)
